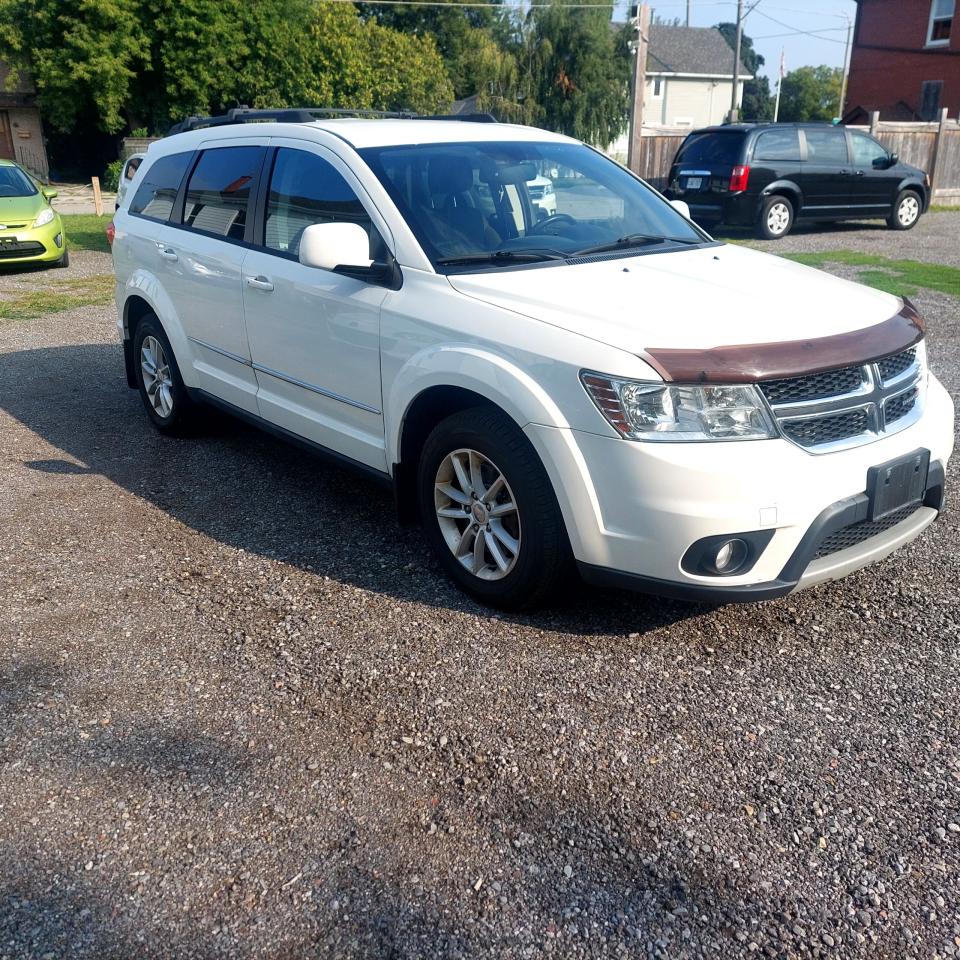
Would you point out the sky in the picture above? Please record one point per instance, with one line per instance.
(768, 23)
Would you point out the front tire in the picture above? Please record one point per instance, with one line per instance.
(906, 211)
(161, 387)
(64, 261)
(776, 218)
(489, 511)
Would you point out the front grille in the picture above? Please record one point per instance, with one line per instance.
(849, 405)
(815, 387)
(892, 367)
(814, 431)
(858, 532)
(22, 248)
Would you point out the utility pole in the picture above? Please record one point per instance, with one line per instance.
(846, 66)
(688, 11)
(776, 106)
(734, 103)
(641, 24)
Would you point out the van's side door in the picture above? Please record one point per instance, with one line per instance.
(826, 177)
(315, 334)
(875, 186)
(203, 249)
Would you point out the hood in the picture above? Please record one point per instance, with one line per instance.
(690, 299)
(21, 209)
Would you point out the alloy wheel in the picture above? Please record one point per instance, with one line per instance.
(477, 514)
(909, 210)
(157, 379)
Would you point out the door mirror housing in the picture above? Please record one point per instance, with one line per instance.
(331, 245)
(891, 161)
(681, 207)
(49, 193)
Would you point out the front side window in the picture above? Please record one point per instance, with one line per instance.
(866, 151)
(783, 144)
(478, 202)
(826, 146)
(15, 183)
(941, 22)
(305, 189)
(157, 192)
(218, 192)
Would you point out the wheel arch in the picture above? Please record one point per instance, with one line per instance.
(135, 308)
(783, 188)
(908, 183)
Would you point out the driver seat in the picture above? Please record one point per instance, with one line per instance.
(450, 180)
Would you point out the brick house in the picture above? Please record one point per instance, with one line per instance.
(905, 60)
(21, 133)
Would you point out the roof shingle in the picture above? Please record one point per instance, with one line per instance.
(690, 50)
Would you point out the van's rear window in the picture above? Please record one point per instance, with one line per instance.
(711, 148)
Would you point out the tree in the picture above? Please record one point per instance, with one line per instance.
(757, 101)
(811, 93)
(579, 71)
(133, 62)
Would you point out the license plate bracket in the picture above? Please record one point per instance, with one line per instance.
(897, 484)
(694, 183)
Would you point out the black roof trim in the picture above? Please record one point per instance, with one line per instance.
(309, 114)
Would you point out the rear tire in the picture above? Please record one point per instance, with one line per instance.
(906, 211)
(776, 218)
(161, 387)
(489, 511)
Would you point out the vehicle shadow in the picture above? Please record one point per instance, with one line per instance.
(798, 230)
(253, 492)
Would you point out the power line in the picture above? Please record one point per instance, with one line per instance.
(813, 33)
(796, 30)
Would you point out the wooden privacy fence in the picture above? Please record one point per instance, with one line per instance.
(933, 147)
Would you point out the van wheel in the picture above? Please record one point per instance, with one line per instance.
(906, 211)
(489, 510)
(776, 218)
(164, 396)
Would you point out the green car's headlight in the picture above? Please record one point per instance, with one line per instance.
(691, 412)
(46, 216)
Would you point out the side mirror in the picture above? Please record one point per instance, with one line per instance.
(681, 207)
(894, 159)
(332, 245)
(49, 193)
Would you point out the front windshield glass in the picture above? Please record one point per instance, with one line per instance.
(502, 203)
(15, 183)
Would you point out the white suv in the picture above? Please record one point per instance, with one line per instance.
(606, 386)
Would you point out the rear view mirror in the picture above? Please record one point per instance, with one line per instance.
(331, 245)
(681, 207)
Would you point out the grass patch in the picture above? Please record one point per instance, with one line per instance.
(86, 231)
(68, 295)
(944, 208)
(900, 277)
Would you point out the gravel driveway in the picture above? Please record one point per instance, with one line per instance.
(242, 715)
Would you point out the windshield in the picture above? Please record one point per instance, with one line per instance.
(504, 203)
(711, 148)
(15, 183)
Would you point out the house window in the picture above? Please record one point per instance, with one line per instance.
(657, 87)
(941, 22)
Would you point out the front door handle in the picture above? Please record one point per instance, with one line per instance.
(169, 254)
(260, 283)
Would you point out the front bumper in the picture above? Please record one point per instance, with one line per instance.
(33, 245)
(634, 509)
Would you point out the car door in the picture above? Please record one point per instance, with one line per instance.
(203, 250)
(826, 172)
(874, 184)
(315, 334)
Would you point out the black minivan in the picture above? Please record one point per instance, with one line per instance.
(768, 175)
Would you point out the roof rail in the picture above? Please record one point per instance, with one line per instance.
(245, 114)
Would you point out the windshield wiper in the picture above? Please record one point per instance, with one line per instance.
(632, 240)
(502, 256)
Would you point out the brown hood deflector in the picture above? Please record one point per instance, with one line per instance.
(793, 358)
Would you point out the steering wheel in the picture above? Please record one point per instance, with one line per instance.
(553, 218)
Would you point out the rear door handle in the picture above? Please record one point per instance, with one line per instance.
(169, 254)
(260, 283)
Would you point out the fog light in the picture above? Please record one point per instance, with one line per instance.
(58, 239)
(730, 556)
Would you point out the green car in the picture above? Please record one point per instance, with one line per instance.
(30, 229)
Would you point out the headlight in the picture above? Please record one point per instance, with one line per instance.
(45, 217)
(659, 411)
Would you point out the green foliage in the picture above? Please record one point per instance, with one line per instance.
(899, 277)
(757, 100)
(811, 93)
(86, 231)
(140, 132)
(136, 62)
(111, 176)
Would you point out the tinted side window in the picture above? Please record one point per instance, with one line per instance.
(866, 150)
(826, 146)
(305, 189)
(778, 145)
(218, 193)
(158, 191)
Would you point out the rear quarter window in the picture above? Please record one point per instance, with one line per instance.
(157, 192)
(719, 148)
(777, 145)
